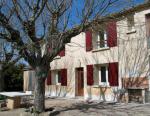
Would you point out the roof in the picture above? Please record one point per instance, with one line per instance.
(125, 12)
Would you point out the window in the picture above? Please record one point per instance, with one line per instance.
(101, 75)
(148, 29)
(148, 25)
(58, 77)
(130, 22)
(100, 40)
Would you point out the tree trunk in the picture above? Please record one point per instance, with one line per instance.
(39, 92)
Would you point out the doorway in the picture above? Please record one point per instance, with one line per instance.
(79, 82)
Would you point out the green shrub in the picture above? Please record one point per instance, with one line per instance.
(2, 97)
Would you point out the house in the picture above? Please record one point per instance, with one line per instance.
(107, 62)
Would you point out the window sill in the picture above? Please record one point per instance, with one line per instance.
(57, 57)
(58, 84)
(131, 32)
(101, 49)
(99, 86)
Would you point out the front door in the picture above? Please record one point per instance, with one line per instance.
(79, 82)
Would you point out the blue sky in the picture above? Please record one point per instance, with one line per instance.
(121, 5)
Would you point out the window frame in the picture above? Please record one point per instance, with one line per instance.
(55, 77)
(147, 18)
(98, 41)
(97, 75)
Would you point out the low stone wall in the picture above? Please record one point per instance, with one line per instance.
(135, 82)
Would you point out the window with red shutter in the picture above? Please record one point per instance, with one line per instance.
(99, 39)
(63, 77)
(113, 74)
(49, 78)
(88, 40)
(111, 34)
(101, 74)
(62, 53)
(90, 80)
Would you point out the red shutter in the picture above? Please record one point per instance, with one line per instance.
(113, 74)
(62, 53)
(111, 34)
(88, 40)
(49, 78)
(90, 80)
(64, 77)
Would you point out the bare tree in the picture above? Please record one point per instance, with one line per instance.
(40, 29)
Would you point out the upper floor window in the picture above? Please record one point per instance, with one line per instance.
(105, 37)
(100, 40)
(130, 22)
(147, 23)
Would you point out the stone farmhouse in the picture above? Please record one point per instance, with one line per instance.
(108, 62)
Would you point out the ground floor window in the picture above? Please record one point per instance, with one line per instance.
(103, 72)
(56, 77)
(59, 77)
(101, 75)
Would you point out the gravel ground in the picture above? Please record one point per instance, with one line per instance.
(78, 107)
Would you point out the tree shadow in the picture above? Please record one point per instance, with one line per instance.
(83, 107)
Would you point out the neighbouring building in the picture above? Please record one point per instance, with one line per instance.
(108, 62)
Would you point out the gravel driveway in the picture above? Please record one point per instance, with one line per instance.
(79, 107)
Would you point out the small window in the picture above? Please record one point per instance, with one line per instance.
(147, 23)
(130, 22)
(100, 39)
(58, 77)
(101, 75)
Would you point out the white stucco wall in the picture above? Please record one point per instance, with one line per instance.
(133, 51)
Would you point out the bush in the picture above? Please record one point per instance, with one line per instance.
(13, 77)
(2, 97)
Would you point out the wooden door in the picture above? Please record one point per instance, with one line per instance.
(80, 82)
